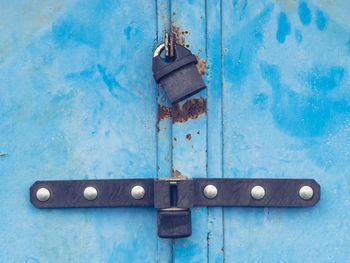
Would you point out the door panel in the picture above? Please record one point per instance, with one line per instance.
(197, 140)
(285, 113)
(189, 132)
(78, 102)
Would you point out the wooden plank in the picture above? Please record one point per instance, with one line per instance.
(190, 136)
(76, 102)
(285, 115)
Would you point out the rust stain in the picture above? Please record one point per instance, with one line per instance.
(201, 66)
(176, 173)
(174, 139)
(188, 136)
(164, 112)
(180, 35)
(191, 109)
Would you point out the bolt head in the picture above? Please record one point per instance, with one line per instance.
(258, 192)
(306, 192)
(43, 194)
(210, 191)
(90, 193)
(138, 192)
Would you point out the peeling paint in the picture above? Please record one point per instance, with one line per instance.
(191, 109)
(180, 35)
(201, 66)
(164, 112)
(177, 174)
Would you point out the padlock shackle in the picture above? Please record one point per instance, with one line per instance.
(159, 50)
(183, 57)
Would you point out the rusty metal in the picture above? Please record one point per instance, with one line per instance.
(171, 46)
(191, 109)
(169, 43)
(166, 44)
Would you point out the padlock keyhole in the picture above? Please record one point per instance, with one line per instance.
(173, 195)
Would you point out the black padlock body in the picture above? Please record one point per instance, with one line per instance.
(174, 223)
(179, 78)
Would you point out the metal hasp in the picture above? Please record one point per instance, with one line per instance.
(175, 196)
(180, 77)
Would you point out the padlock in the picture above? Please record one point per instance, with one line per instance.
(174, 223)
(179, 78)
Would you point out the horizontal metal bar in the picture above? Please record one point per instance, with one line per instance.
(230, 192)
(115, 192)
(237, 192)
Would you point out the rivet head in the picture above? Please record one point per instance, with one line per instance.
(258, 192)
(306, 192)
(138, 192)
(43, 194)
(210, 191)
(90, 193)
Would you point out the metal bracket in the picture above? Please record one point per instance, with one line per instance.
(175, 196)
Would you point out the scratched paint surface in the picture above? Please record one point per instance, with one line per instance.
(78, 101)
(286, 102)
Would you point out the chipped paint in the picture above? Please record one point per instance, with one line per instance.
(3, 154)
(180, 35)
(176, 173)
(188, 136)
(164, 112)
(201, 66)
(191, 109)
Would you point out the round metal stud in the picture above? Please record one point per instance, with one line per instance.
(90, 193)
(138, 192)
(210, 191)
(258, 192)
(306, 192)
(43, 194)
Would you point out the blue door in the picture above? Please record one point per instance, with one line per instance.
(78, 101)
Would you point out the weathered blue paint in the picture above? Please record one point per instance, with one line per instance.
(287, 117)
(283, 27)
(189, 156)
(78, 101)
(164, 142)
(321, 20)
(304, 13)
